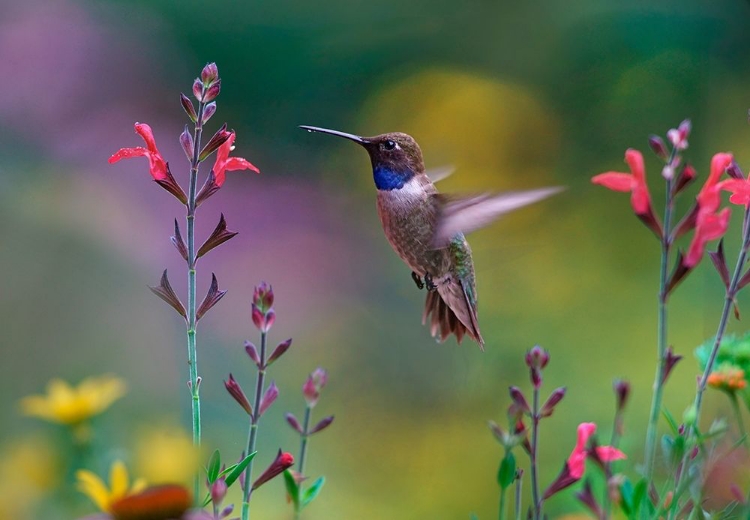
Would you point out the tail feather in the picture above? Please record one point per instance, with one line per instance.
(457, 317)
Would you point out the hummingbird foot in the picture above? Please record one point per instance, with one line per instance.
(429, 283)
(417, 280)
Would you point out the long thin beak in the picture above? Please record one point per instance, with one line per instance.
(351, 137)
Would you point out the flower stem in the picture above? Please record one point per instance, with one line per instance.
(728, 303)
(253, 430)
(303, 451)
(666, 243)
(501, 512)
(191, 316)
(738, 416)
(534, 444)
(519, 485)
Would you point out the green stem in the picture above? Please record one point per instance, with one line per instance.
(738, 416)
(253, 430)
(534, 444)
(519, 486)
(656, 400)
(303, 452)
(501, 513)
(191, 317)
(728, 303)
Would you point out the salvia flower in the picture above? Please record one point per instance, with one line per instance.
(225, 163)
(679, 136)
(709, 225)
(313, 385)
(156, 164)
(635, 183)
(575, 465)
(282, 462)
(100, 494)
(72, 405)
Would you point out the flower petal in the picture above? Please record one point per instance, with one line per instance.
(127, 153)
(238, 163)
(614, 181)
(608, 453)
(118, 480)
(93, 487)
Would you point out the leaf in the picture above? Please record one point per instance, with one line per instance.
(292, 488)
(166, 293)
(670, 420)
(212, 298)
(507, 472)
(178, 242)
(238, 469)
(218, 237)
(312, 492)
(626, 494)
(214, 466)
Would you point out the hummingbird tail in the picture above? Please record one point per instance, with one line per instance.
(457, 317)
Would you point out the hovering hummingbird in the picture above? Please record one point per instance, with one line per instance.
(426, 229)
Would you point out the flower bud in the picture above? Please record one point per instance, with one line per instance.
(279, 351)
(294, 423)
(186, 141)
(519, 400)
(234, 389)
(735, 171)
(622, 391)
(314, 384)
(263, 297)
(322, 425)
(253, 353)
(213, 91)
(657, 145)
(208, 111)
(282, 462)
(537, 357)
(198, 89)
(209, 74)
(555, 397)
(268, 398)
(188, 107)
(218, 491)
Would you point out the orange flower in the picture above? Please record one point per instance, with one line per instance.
(728, 378)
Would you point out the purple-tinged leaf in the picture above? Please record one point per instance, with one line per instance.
(519, 399)
(686, 177)
(218, 237)
(322, 425)
(555, 397)
(235, 390)
(253, 353)
(178, 242)
(213, 91)
(294, 423)
(658, 146)
(209, 110)
(670, 361)
(218, 139)
(186, 141)
(209, 188)
(171, 185)
(165, 292)
(586, 496)
(679, 273)
(212, 298)
(687, 223)
(720, 263)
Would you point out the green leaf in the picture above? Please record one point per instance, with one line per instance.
(313, 491)
(507, 472)
(292, 488)
(227, 470)
(239, 468)
(214, 466)
(206, 500)
(626, 493)
(670, 420)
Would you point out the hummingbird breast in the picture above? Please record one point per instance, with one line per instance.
(409, 217)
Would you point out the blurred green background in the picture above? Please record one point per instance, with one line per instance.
(515, 95)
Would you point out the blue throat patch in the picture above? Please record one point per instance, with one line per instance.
(388, 179)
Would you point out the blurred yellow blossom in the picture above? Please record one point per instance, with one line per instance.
(119, 486)
(29, 468)
(68, 405)
(166, 454)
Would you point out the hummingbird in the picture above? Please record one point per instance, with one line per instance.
(427, 228)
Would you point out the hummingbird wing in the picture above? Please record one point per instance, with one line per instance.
(438, 174)
(467, 214)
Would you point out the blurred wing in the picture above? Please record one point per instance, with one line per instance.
(438, 174)
(468, 214)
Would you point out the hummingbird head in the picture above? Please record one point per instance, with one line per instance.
(396, 157)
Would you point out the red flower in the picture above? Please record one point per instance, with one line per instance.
(634, 182)
(156, 164)
(576, 461)
(710, 225)
(225, 163)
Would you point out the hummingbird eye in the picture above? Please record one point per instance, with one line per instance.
(389, 144)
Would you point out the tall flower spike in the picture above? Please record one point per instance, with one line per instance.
(635, 183)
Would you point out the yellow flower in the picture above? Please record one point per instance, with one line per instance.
(165, 454)
(67, 405)
(94, 488)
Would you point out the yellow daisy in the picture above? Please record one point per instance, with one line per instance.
(119, 486)
(68, 405)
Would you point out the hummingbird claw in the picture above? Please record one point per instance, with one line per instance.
(429, 283)
(417, 280)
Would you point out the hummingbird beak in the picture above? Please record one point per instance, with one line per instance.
(351, 137)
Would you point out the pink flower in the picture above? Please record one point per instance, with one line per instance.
(634, 182)
(156, 164)
(710, 225)
(225, 163)
(577, 460)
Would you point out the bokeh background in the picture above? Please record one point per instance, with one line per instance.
(515, 95)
